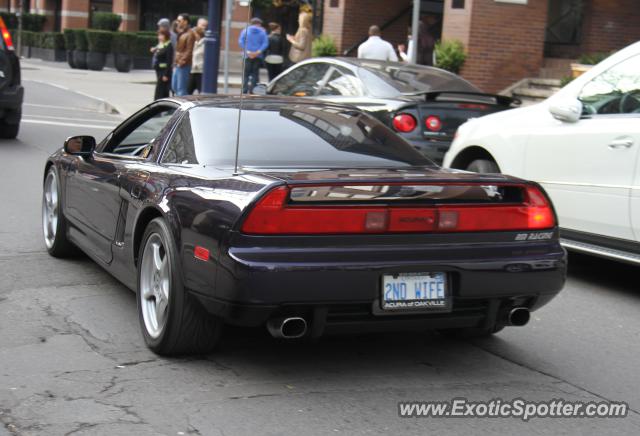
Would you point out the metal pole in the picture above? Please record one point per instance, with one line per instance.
(212, 50)
(227, 34)
(415, 28)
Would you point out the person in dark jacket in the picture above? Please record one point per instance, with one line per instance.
(162, 63)
(275, 52)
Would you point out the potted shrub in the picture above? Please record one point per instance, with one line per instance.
(49, 46)
(323, 45)
(141, 49)
(586, 62)
(70, 46)
(450, 55)
(99, 45)
(122, 47)
(80, 52)
(105, 21)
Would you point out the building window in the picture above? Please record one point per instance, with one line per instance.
(334, 3)
(457, 4)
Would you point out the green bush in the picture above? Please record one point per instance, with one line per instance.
(142, 45)
(10, 20)
(33, 22)
(51, 40)
(106, 21)
(99, 40)
(82, 43)
(450, 55)
(30, 22)
(28, 38)
(323, 45)
(123, 42)
(69, 39)
(593, 58)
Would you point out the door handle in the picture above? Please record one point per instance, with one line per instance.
(621, 143)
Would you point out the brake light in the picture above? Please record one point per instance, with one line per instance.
(474, 106)
(404, 123)
(6, 36)
(433, 123)
(275, 214)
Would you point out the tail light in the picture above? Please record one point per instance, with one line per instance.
(6, 36)
(433, 123)
(275, 214)
(404, 123)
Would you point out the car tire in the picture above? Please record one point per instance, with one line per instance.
(54, 224)
(172, 320)
(484, 166)
(9, 130)
(470, 332)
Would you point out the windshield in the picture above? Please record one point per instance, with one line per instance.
(296, 135)
(388, 81)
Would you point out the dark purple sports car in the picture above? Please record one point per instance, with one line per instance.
(321, 220)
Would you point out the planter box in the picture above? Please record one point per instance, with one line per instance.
(579, 69)
(48, 54)
(141, 62)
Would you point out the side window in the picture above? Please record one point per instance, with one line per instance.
(181, 148)
(616, 91)
(303, 81)
(137, 141)
(342, 82)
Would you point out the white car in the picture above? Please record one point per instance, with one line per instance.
(582, 144)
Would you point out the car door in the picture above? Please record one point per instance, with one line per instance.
(93, 200)
(303, 81)
(588, 166)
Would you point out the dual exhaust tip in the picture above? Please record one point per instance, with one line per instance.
(296, 327)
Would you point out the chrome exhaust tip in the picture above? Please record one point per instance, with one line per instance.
(287, 328)
(519, 316)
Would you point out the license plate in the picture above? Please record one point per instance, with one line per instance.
(415, 291)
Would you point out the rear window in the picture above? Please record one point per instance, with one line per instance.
(289, 136)
(390, 81)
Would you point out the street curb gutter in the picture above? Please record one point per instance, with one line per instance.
(101, 105)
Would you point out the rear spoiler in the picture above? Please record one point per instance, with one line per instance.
(502, 100)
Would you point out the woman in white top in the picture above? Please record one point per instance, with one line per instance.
(197, 62)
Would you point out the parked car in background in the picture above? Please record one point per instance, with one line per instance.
(313, 218)
(11, 91)
(582, 145)
(424, 105)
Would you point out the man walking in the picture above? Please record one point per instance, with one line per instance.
(254, 41)
(183, 56)
(377, 48)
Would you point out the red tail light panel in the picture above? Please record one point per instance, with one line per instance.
(274, 214)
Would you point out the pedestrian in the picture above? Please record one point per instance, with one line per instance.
(162, 61)
(405, 50)
(165, 23)
(275, 52)
(203, 23)
(377, 48)
(195, 78)
(253, 41)
(426, 40)
(301, 41)
(183, 56)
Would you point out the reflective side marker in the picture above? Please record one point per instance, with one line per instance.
(201, 253)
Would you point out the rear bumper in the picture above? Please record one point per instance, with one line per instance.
(340, 289)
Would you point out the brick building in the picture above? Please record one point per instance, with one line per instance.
(505, 40)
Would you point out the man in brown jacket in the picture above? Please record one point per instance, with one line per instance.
(184, 55)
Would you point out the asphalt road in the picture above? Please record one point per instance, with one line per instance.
(72, 360)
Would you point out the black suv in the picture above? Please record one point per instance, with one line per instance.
(11, 92)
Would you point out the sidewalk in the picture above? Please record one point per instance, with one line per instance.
(113, 92)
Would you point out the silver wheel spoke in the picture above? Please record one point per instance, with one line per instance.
(157, 261)
(161, 308)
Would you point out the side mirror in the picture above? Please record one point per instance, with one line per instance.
(259, 89)
(80, 145)
(566, 110)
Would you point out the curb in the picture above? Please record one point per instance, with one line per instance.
(101, 105)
